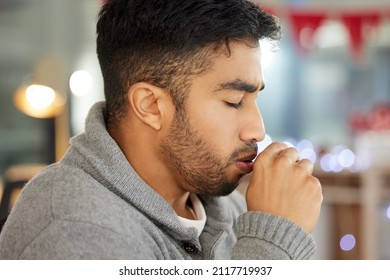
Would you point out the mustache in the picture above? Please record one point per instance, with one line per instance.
(248, 149)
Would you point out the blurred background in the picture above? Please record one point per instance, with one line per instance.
(328, 94)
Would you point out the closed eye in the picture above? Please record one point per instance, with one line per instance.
(235, 105)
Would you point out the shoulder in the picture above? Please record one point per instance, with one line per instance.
(74, 216)
(71, 239)
(74, 195)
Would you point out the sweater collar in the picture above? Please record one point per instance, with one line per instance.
(104, 160)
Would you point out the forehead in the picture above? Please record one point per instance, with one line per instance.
(241, 62)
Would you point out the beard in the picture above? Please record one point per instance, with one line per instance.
(200, 168)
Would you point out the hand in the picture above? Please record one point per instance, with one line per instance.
(282, 185)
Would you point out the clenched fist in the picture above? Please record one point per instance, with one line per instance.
(282, 185)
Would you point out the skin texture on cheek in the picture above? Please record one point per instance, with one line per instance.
(198, 166)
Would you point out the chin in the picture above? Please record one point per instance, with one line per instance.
(226, 189)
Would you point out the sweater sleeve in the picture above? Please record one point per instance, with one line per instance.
(265, 236)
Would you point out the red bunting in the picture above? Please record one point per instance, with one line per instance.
(377, 119)
(304, 19)
(355, 23)
(359, 23)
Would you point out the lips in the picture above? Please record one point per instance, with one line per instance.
(245, 164)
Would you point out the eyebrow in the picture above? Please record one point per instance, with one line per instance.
(240, 85)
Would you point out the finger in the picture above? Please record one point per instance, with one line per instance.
(291, 153)
(306, 165)
(273, 148)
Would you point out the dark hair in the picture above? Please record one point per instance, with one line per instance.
(165, 42)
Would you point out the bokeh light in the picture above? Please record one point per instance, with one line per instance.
(304, 144)
(340, 158)
(290, 142)
(347, 242)
(346, 158)
(309, 154)
(325, 162)
(80, 82)
(40, 97)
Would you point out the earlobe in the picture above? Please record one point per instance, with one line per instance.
(144, 99)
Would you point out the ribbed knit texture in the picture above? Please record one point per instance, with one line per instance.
(293, 241)
(93, 205)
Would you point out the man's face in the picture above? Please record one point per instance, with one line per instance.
(212, 141)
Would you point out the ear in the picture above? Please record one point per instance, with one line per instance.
(147, 102)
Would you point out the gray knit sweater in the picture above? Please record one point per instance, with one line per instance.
(93, 205)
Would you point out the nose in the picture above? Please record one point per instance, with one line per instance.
(253, 126)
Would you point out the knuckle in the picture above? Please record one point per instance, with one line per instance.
(316, 185)
(283, 160)
(278, 145)
(306, 162)
(302, 172)
(292, 151)
(316, 182)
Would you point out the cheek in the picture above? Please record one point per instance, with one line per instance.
(217, 125)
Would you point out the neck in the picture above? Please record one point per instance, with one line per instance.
(151, 168)
(184, 208)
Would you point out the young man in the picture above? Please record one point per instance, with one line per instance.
(154, 174)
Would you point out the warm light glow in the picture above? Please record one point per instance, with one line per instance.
(80, 82)
(39, 101)
(40, 97)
